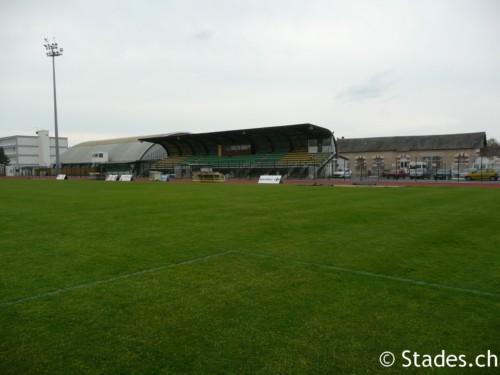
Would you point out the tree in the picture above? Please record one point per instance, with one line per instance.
(492, 142)
(4, 159)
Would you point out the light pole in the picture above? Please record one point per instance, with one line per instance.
(53, 51)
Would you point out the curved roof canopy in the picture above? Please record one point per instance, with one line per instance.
(270, 139)
(121, 150)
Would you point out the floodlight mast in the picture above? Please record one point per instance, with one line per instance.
(53, 51)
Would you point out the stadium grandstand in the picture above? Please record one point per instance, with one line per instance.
(293, 151)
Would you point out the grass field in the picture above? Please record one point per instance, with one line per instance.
(173, 278)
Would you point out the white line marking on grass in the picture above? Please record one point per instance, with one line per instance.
(246, 253)
(372, 274)
(112, 279)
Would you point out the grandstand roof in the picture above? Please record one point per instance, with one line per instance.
(261, 139)
(120, 150)
(413, 143)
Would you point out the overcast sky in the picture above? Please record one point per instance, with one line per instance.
(361, 68)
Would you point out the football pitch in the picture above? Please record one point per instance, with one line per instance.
(179, 278)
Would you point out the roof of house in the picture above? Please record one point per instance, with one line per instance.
(413, 143)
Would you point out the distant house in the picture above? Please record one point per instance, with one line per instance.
(374, 155)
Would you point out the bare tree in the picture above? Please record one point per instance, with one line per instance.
(492, 142)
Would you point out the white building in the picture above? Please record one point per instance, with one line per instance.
(26, 152)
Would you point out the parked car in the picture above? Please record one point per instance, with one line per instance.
(342, 173)
(443, 174)
(482, 174)
(395, 174)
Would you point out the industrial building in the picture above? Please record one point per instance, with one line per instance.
(30, 153)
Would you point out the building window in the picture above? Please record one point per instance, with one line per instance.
(403, 161)
(433, 162)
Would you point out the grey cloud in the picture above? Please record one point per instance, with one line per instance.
(376, 86)
(204, 35)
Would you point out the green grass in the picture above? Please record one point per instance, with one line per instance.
(243, 278)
